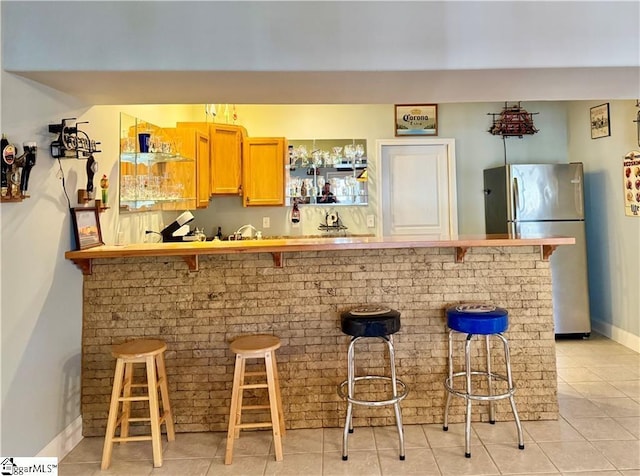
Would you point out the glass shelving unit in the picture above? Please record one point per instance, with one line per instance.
(154, 174)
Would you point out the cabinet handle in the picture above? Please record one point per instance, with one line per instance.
(247, 200)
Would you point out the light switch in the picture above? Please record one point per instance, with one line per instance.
(371, 221)
(266, 222)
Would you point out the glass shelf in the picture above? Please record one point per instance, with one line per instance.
(148, 158)
(160, 180)
(316, 162)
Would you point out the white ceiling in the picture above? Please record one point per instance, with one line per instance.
(325, 52)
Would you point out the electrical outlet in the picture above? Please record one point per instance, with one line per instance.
(266, 222)
(371, 221)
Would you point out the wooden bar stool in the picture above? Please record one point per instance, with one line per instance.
(258, 346)
(151, 353)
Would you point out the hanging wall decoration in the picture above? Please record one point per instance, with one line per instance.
(631, 179)
(637, 121)
(416, 120)
(600, 126)
(512, 121)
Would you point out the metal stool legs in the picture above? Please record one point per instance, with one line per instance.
(351, 400)
(468, 394)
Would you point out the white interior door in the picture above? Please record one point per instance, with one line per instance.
(418, 193)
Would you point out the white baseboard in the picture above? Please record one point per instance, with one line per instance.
(66, 440)
(619, 335)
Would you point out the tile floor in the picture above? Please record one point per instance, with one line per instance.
(598, 434)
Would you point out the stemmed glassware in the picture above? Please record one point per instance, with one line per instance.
(359, 152)
(336, 155)
(350, 153)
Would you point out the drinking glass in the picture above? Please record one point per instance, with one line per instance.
(359, 153)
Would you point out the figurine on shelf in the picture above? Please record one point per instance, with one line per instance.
(104, 185)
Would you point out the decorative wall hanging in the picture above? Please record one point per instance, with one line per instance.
(631, 168)
(416, 120)
(637, 121)
(71, 141)
(16, 170)
(512, 121)
(600, 126)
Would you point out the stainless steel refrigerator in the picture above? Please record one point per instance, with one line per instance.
(547, 199)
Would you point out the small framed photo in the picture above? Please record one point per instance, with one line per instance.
(86, 227)
(416, 120)
(600, 126)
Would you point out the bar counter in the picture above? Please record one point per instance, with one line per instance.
(199, 296)
(190, 251)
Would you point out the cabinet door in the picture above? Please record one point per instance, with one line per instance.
(226, 159)
(263, 171)
(203, 170)
(194, 145)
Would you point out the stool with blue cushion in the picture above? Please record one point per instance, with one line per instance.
(360, 323)
(487, 321)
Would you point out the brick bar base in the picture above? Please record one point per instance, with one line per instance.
(199, 312)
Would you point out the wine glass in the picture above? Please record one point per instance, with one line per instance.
(350, 152)
(359, 153)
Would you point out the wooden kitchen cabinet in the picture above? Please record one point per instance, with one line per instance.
(263, 171)
(226, 158)
(225, 154)
(195, 145)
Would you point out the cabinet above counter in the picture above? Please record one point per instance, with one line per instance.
(277, 247)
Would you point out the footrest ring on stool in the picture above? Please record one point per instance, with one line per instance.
(375, 403)
(483, 397)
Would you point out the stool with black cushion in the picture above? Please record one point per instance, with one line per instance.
(488, 321)
(364, 322)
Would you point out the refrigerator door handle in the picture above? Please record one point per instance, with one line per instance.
(516, 198)
(578, 192)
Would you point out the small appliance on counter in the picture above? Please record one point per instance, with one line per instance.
(179, 229)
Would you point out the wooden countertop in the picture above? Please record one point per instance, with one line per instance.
(191, 250)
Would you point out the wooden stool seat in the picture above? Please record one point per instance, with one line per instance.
(259, 343)
(137, 349)
(259, 346)
(151, 353)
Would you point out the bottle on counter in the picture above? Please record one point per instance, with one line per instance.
(295, 213)
(219, 233)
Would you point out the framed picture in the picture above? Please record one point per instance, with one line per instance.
(86, 227)
(416, 120)
(600, 126)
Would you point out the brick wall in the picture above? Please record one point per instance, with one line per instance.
(198, 313)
